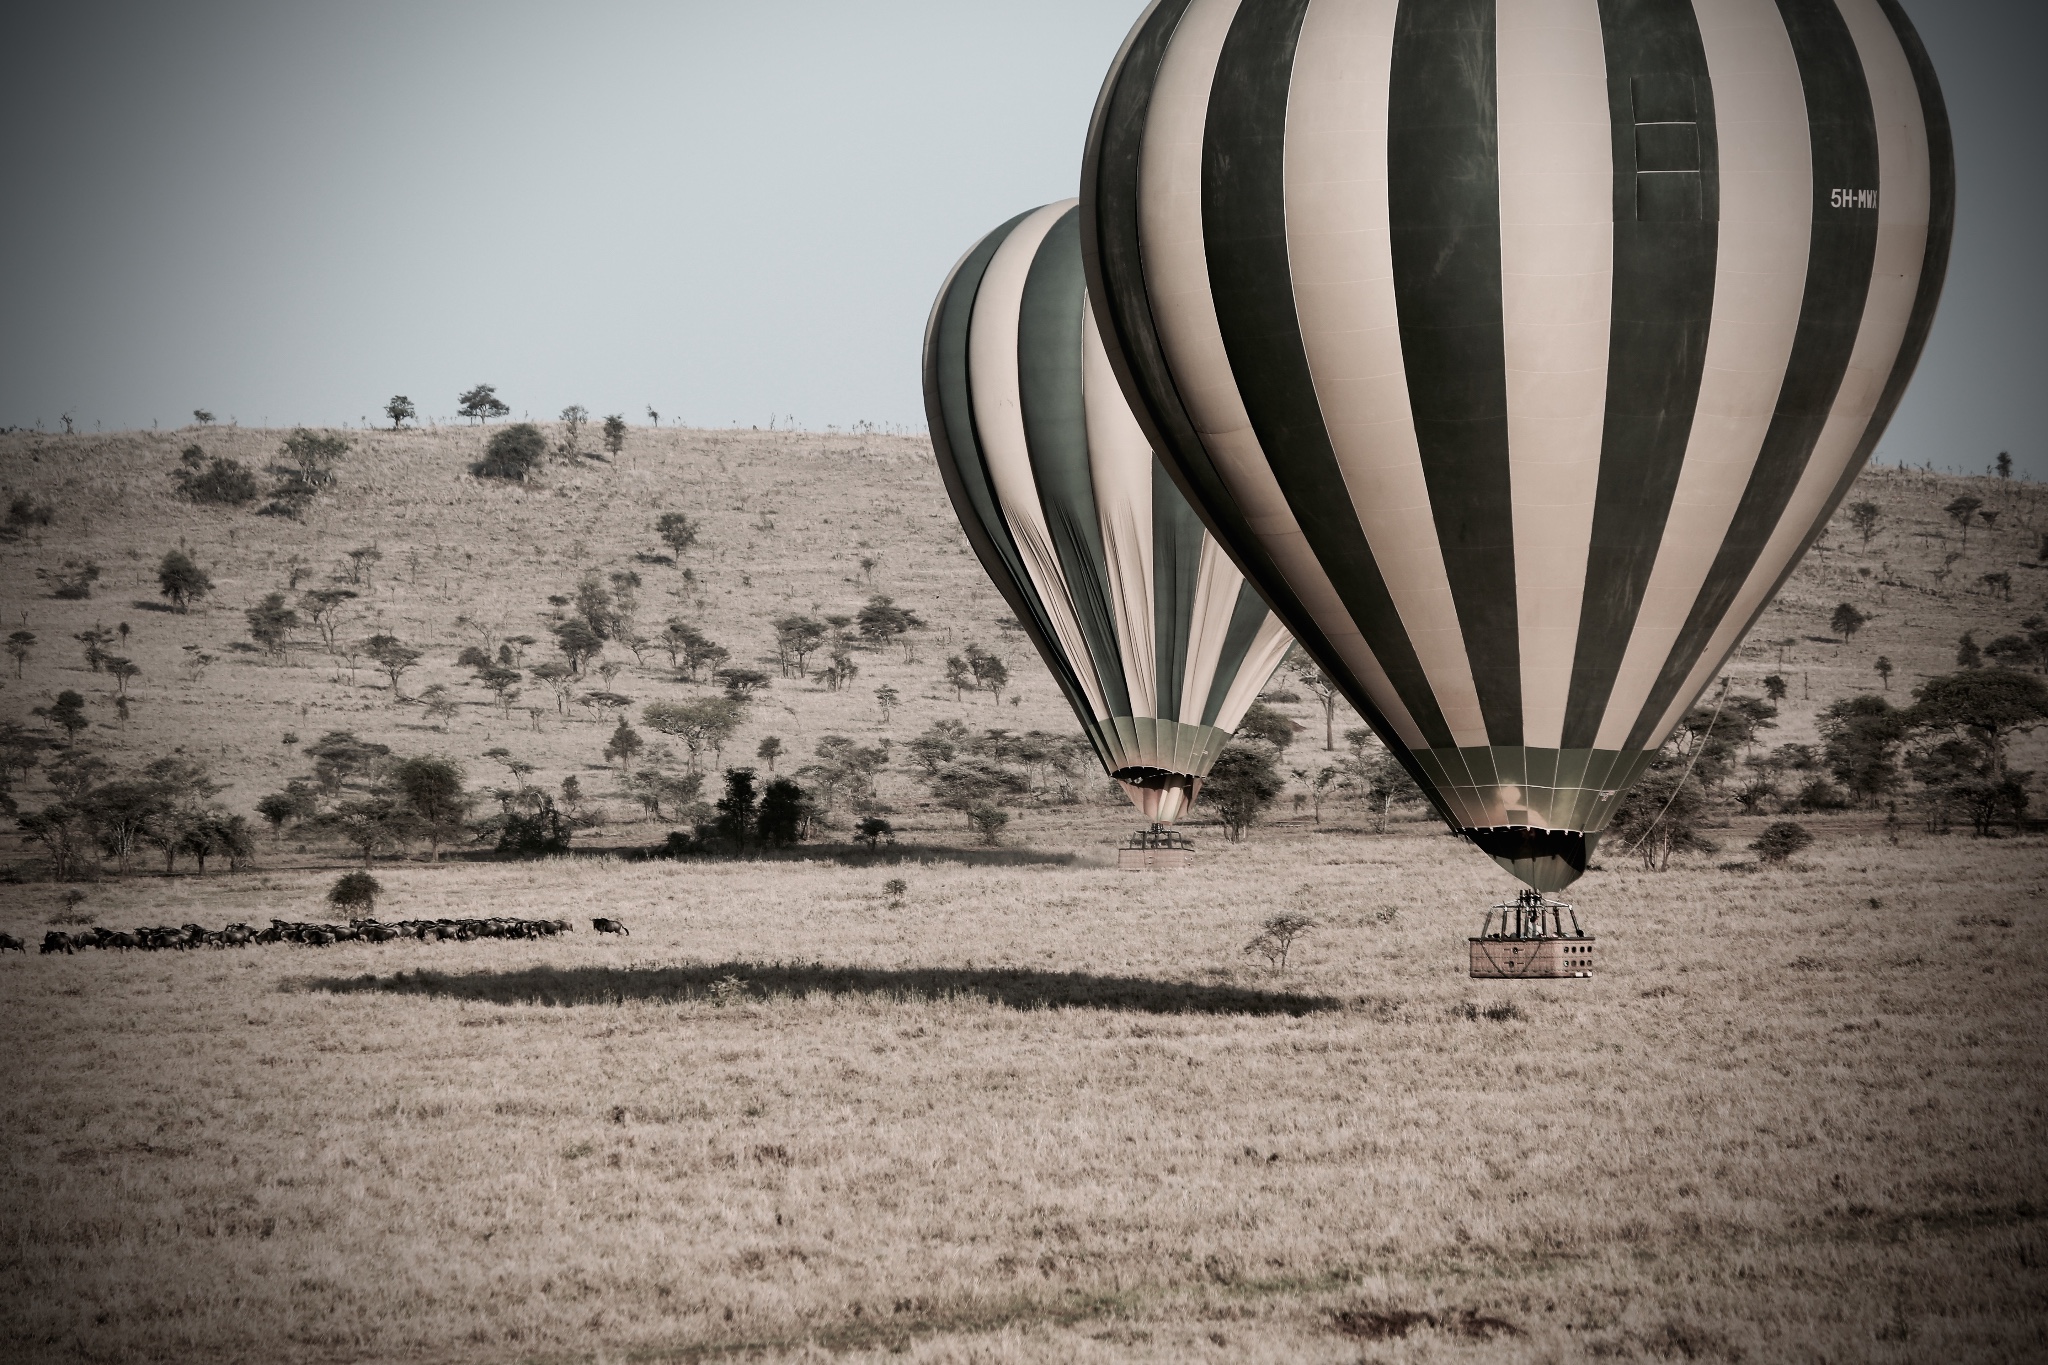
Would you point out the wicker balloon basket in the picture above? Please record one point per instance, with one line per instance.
(1158, 849)
(1531, 942)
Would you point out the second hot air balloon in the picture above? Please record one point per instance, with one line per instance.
(1518, 349)
(1150, 631)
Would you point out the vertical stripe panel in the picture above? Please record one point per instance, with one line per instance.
(1443, 191)
(1843, 249)
(1557, 274)
(1664, 299)
(1340, 260)
(1175, 270)
(1256, 645)
(999, 420)
(1218, 587)
(1766, 201)
(1178, 546)
(1121, 464)
(1049, 359)
(1902, 231)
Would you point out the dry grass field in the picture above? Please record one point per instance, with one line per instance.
(1048, 1114)
(1032, 1110)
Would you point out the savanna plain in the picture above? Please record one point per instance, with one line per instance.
(946, 1102)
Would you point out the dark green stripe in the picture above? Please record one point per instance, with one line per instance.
(1941, 220)
(1662, 309)
(1056, 439)
(1177, 537)
(1246, 618)
(1443, 188)
(949, 409)
(1244, 226)
(1842, 252)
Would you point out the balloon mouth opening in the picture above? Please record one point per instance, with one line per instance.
(1163, 795)
(1544, 859)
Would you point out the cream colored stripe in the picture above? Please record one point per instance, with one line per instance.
(1759, 281)
(1269, 647)
(999, 420)
(1557, 288)
(1216, 585)
(1177, 281)
(1904, 192)
(1120, 464)
(1340, 253)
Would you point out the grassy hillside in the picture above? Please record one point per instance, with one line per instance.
(791, 522)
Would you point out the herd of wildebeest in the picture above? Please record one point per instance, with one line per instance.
(312, 935)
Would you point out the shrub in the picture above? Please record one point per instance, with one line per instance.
(873, 830)
(72, 580)
(1241, 785)
(354, 891)
(1276, 938)
(989, 822)
(179, 578)
(217, 480)
(513, 453)
(24, 512)
(1263, 722)
(786, 813)
(1780, 840)
(535, 834)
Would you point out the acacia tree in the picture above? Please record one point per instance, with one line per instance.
(701, 724)
(374, 824)
(615, 434)
(400, 410)
(393, 656)
(481, 404)
(989, 671)
(1244, 781)
(677, 531)
(19, 646)
(1959, 510)
(1847, 621)
(1319, 686)
(431, 792)
(179, 578)
(1986, 706)
(795, 638)
(271, 623)
(1865, 517)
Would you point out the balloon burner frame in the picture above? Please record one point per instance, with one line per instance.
(1531, 941)
(1157, 849)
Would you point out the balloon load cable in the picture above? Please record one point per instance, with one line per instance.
(1719, 702)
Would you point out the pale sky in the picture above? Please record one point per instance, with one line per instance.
(286, 213)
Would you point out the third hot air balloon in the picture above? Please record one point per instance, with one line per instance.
(1518, 349)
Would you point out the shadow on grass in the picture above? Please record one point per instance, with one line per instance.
(1018, 988)
(846, 855)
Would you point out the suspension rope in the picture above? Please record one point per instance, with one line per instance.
(1707, 735)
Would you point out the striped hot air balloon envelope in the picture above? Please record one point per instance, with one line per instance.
(1518, 349)
(1150, 630)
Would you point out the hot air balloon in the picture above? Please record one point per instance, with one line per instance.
(1151, 632)
(1518, 349)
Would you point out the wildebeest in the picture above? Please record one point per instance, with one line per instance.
(57, 941)
(610, 926)
(9, 943)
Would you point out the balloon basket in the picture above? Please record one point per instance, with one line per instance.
(1158, 849)
(1530, 941)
